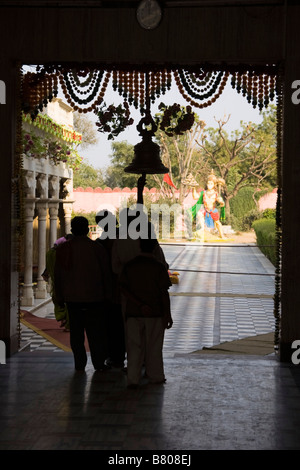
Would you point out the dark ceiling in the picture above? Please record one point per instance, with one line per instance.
(134, 3)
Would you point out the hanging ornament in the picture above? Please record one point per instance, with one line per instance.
(37, 91)
(84, 89)
(201, 88)
(257, 86)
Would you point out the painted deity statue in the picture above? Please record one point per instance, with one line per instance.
(206, 207)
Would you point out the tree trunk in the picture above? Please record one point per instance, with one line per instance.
(181, 194)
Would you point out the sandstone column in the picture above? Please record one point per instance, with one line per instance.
(66, 194)
(42, 206)
(27, 294)
(53, 206)
(67, 206)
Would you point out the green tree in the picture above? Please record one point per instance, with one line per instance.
(121, 157)
(246, 158)
(179, 151)
(88, 176)
(86, 128)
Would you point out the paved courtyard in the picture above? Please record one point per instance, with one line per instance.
(225, 292)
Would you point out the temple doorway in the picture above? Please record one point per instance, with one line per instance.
(85, 89)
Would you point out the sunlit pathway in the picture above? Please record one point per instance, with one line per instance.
(224, 293)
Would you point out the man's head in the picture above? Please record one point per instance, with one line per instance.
(79, 226)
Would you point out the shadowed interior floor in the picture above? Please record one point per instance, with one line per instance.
(208, 403)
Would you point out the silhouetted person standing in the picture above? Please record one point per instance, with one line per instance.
(116, 333)
(145, 283)
(83, 282)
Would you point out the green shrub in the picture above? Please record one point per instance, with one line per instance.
(265, 231)
(243, 223)
(90, 216)
(248, 219)
(233, 222)
(269, 214)
(242, 203)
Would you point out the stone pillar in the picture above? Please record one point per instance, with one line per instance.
(27, 294)
(66, 194)
(53, 205)
(67, 206)
(41, 291)
(42, 206)
(53, 211)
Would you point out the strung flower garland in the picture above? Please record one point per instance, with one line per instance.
(277, 294)
(37, 91)
(18, 198)
(131, 86)
(259, 89)
(42, 147)
(91, 88)
(113, 119)
(85, 88)
(45, 123)
(61, 152)
(191, 91)
(175, 119)
(86, 82)
(202, 85)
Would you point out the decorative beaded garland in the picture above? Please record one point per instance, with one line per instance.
(37, 90)
(277, 294)
(259, 89)
(85, 87)
(201, 88)
(18, 198)
(89, 91)
(131, 86)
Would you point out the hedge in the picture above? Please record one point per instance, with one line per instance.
(265, 231)
(242, 203)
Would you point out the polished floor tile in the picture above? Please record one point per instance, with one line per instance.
(210, 402)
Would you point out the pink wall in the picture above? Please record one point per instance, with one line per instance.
(268, 201)
(92, 200)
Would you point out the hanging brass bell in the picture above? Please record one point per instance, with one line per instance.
(146, 159)
(146, 153)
